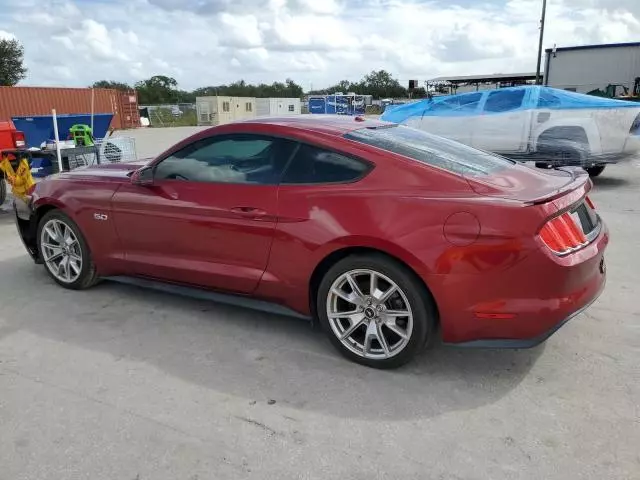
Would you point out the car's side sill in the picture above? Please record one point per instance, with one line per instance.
(201, 294)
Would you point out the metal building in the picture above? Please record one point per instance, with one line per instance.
(610, 69)
(269, 107)
(475, 83)
(216, 110)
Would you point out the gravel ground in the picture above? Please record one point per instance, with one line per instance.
(122, 383)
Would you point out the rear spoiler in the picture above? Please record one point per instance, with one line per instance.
(581, 183)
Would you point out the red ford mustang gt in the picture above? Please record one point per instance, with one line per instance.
(387, 235)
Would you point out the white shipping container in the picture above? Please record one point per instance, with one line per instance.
(277, 107)
(217, 110)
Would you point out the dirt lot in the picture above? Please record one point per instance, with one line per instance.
(123, 383)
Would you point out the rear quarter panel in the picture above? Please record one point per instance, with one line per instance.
(583, 118)
(397, 210)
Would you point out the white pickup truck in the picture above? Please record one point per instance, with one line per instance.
(533, 123)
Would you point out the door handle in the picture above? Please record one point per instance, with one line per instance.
(252, 212)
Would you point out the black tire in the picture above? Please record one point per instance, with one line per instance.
(88, 276)
(595, 171)
(419, 299)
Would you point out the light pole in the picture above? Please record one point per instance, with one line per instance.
(544, 12)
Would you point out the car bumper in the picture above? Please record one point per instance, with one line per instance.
(525, 305)
(25, 224)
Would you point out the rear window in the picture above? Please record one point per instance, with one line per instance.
(431, 149)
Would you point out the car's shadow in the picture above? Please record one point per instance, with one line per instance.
(251, 355)
(608, 182)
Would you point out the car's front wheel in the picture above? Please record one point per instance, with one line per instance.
(375, 311)
(64, 251)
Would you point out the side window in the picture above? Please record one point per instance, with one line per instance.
(292, 108)
(469, 102)
(316, 165)
(548, 100)
(444, 105)
(226, 107)
(504, 100)
(228, 159)
(248, 106)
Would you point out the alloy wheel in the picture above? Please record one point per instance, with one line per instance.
(370, 314)
(61, 251)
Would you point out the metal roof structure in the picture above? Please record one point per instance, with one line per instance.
(593, 47)
(496, 77)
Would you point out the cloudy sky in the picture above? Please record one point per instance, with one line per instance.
(314, 42)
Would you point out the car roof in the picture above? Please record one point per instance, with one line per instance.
(329, 124)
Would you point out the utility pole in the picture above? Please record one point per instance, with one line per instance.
(544, 12)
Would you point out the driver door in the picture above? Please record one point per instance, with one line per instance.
(208, 218)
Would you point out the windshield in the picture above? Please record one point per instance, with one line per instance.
(431, 149)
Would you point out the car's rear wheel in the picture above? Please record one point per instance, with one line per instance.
(595, 171)
(64, 252)
(375, 311)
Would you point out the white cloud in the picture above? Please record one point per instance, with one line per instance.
(6, 35)
(209, 42)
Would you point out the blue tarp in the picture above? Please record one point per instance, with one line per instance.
(524, 98)
(39, 128)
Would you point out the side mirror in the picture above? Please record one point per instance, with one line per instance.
(142, 177)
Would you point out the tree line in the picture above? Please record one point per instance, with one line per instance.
(161, 89)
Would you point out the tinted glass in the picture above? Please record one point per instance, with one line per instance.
(458, 103)
(470, 101)
(504, 100)
(229, 159)
(548, 100)
(315, 165)
(430, 149)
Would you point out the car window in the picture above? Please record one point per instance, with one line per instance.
(431, 149)
(504, 100)
(444, 105)
(469, 101)
(316, 165)
(228, 159)
(459, 103)
(548, 100)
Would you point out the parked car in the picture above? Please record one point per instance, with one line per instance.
(542, 124)
(384, 234)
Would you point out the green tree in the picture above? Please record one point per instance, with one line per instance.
(112, 85)
(240, 88)
(12, 69)
(381, 84)
(157, 90)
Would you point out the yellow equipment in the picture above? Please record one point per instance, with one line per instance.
(17, 172)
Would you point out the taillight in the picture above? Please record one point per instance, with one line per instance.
(563, 235)
(19, 140)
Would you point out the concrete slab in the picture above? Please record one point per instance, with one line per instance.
(123, 383)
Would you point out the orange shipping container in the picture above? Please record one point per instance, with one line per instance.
(23, 101)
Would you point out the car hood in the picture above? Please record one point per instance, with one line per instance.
(107, 170)
(529, 184)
